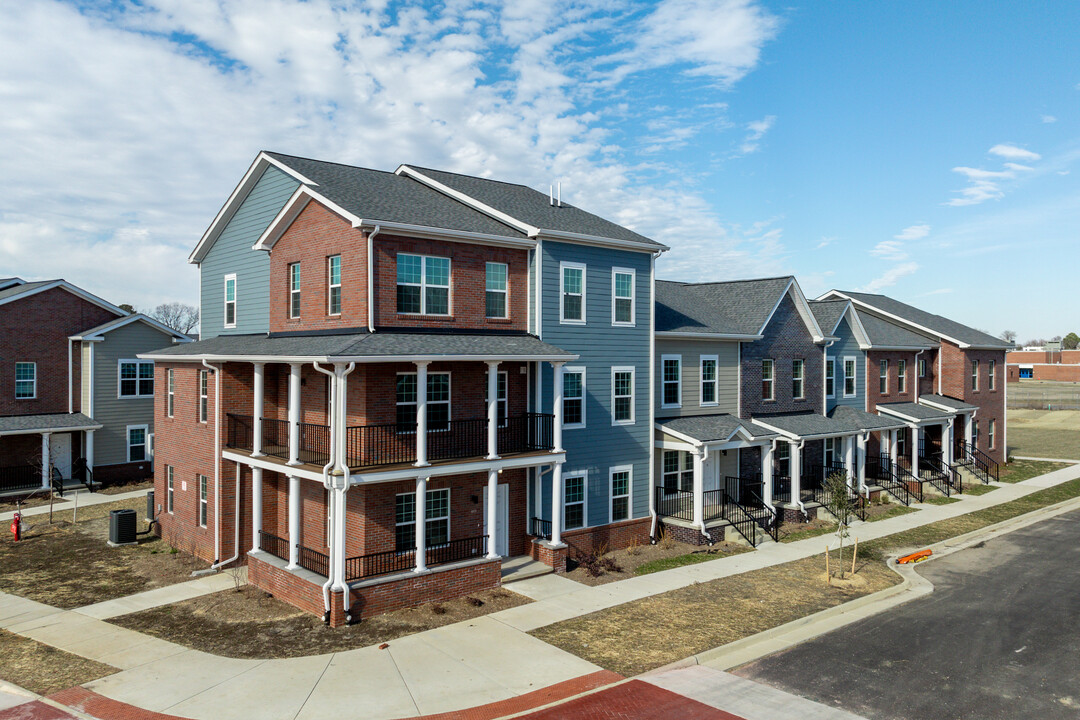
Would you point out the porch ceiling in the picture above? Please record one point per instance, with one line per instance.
(52, 422)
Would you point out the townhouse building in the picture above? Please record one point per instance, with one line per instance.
(404, 379)
(77, 405)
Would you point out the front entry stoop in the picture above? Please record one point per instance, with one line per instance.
(523, 567)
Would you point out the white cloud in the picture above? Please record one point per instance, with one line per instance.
(986, 184)
(890, 277)
(913, 232)
(1049, 119)
(755, 131)
(890, 250)
(825, 242)
(939, 291)
(1013, 152)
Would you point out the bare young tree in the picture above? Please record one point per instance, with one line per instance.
(179, 316)
(1008, 336)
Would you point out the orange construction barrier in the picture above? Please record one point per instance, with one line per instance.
(915, 557)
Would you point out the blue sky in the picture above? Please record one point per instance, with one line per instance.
(921, 149)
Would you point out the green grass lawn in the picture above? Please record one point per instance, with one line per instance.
(1019, 470)
(979, 489)
(1045, 434)
(939, 500)
(892, 512)
(673, 562)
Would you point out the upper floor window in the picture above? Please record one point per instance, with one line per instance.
(574, 397)
(974, 374)
(204, 395)
(622, 296)
(438, 401)
(767, 380)
(849, 377)
(672, 381)
(620, 492)
(25, 380)
(883, 377)
(797, 384)
(423, 285)
(230, 301)
(708, 379)
(333, 268)
(136, 443)
(136, 378)
(294, 290)
(991, 381)
(170, 400)
(495, 291)
(922, 367)
(622, 396)
(830, 378)
(901, 376)
(572, 293)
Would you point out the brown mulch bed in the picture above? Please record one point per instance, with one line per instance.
(251, 623)
(69, 566)
(43, 669)
(630, 559)
(706, 615)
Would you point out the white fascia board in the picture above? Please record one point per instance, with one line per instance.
(678, 435)
(467, 200)
(897, 318)
(65, 285)
(910, 419)
(803, 308)
(98, 336)
(433, 233)
(734, 337)
(454, 468)
(370, 359)
(38, 431)
(778, 431)
(264, 464)
(856, 326)
(583, 239)
(942, 406)
(292, 209)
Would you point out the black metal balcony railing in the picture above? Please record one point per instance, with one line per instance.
(675, 503)
(382, 563)
(782, 488)
(714, 504)
(275, 438)
(540, 528)
(278, 547)
(22, 477)
(239, 431)
(315, 561)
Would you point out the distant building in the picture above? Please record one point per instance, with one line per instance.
(1040, 364)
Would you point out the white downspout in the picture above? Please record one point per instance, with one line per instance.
(916, 383)
(797, 497)
(217, 461)
(326, 480)
(652, 397)
(371, 277)
(71, 386)
(236, 538)
(701, 467)
(824, 376)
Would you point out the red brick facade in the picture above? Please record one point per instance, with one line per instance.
(874, 396)
(957, 383)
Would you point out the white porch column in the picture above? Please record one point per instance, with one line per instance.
(557, 407)
(90, 450)
(556, 503)
(766, 472)
(257, 411)
(968, 427)
(492, 507)
(894, 445)
(421, 524)
(795, 468)
(294, 522)
(46, 470)
(860, 459)
(294, 414)
(946, 442)
(699, 488)
(914, 450)
(421, 415)
(849, 454)
(493, 411)
(256, 506)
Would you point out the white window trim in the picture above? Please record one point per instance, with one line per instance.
(830, 362)
(170, 489)
(294, 292)
(584, 475)
(801, 364)
(633, 296)
(423, 285)
(145, 443)
(629, 492)
(663, 382)
(991, 371)
(226, 301)
(883, 364)
(170, 393)
(449, 402)
(137, 363)
(584, 394)
(32, 364)
(975, 381)
(448, 517)
(504, 401)
(772, 379)
(991, 434)
(203, 502)
(505, 293)
(562, 293)
(921, 370)
(715, 381)
(901, 377)
(854, 376)
(204, 375)
(633, 394)
(330, 285)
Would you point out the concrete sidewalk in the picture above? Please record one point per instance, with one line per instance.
(164, 595)
(488, 659)
(86, 498)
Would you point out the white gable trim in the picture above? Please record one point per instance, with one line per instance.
(676, 434)
(803, 308)
(870, 308)
(65, 285)
(97, 336)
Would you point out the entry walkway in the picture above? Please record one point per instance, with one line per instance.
(86, 498)
(487, 660)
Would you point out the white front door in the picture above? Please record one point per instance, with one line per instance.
(60, 453)
(502, 519)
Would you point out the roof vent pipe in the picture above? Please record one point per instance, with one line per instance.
(560, 194)
(551, 195)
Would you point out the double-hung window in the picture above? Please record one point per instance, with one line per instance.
(901, 376)
(170, 398)
(136, 443)
(783, 459)
(708, 379)
(500, 397)
(849, 377)
(495, 287)
(678, 471)
(991, 371)
(423, 285)
(975, 375)
(333, 293)
(622, 296)
(436, 520)
(883, 377)
(797, 384)
(294, 290)
(832, 451)
(230, 301)
(830, 378)
(991, 431)
(622, 396)
(572, 293)
(25, 380)
(922, 368)
(574, 397)
(204, 395)
(672, 381)
(438, 401)
(620, 492)
(975, 433)
(136, 379)
(203, 494)
(170, 489)
(767, 368)
(574, 500)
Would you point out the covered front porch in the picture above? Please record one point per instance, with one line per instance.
(52, 451)
(922, 452)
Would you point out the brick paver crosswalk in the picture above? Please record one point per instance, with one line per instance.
(633, 700)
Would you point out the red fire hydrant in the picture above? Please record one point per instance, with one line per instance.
(16, 525)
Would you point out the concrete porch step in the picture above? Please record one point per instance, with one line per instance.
(523, 567)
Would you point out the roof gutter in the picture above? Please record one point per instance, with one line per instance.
(676, 335)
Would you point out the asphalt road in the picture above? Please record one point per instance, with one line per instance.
(999, 638)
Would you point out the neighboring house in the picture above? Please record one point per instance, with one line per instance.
(75, 397)
(403, 379)
(1039, 364)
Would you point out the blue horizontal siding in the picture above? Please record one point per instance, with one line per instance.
(848, 346)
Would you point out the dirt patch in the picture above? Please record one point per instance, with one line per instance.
(43, 669)
(1019, 470)
(250, 623)
(12, 503)
(640, 559)
(1042, 433)
(145, 484)
(69, 566)
(707, 615)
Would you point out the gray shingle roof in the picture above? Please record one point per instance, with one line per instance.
(363, 345)
(52, 421)
(532, 207)
(807, 425)
(828, 313)
(884, 334)
(377, 195)
(863, 420)
(712, 428)
(739, 307)
(106, 327)
(948, 402)
(20, 289)
(916, 412)
(937, 323)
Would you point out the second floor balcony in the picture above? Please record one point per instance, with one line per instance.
(395, 444)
